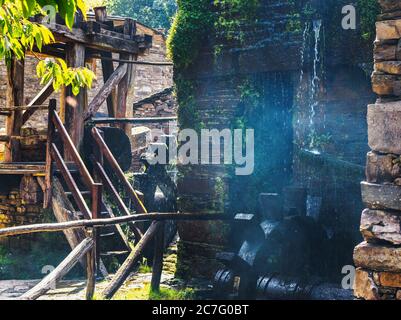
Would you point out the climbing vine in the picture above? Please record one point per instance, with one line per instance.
(368, 10)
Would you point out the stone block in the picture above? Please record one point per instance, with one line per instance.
(391, 67)
(381, 225)
(384, 130)
(390, 5)
(387, 52)
(381, 196)
(378, 257)
(386, 85)
(389, 29)
(388, 279)
(382, 168)
(364, 286)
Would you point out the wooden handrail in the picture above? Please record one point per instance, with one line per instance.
(104, 149)
(88, 180)
(79, 199)
(120, 203)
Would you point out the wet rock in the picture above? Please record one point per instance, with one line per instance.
(381, 196)
(389, 29)
(381, 225)
(364, 286)
(377, 257)
(386, 85)
(384, 130)
(387, 279)
(391, 67)
(383, 51)
(398, 297)
(382, 168)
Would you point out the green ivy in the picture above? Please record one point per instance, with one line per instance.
(368, 11)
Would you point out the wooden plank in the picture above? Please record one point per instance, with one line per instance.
(79, 199)
(134, 120)
(41, 97)
(21, 168)
(57, 227)
(72, 151)
(124, 271)
(49, 162)
(105, 91)
(96, 41)
(57, 274)
(75, 58)
(109, 185)
(108, 70)
(157, 267)
(14, 97)
(140, 208)
(64, 211)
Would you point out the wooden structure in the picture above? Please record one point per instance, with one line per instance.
(74, 192)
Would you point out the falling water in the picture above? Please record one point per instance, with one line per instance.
(304, 45)
(317, 26)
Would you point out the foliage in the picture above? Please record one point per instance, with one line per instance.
(145, 293)
(155, 13)
(19, 34)
(369, 9)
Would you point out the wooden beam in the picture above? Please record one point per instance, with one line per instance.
(157, 267)
(41, 98)
(74, 123)
(57, 274)
(134, 120)
(105, 91)
(89, 223)
(124, 271)
(14, 97)
(96, 41)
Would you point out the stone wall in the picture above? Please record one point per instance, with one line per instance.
(378, 259)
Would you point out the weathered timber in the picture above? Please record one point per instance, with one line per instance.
(124, 271)
(42, 96)
(381, 196)
(50, 281)
(109, 185)
(56, 227)
(72, 151)
(79, 199)
(140, 63)
(64, 211)
(134, 120)
(75, 58)
(15, 97)
(140, 208)
(157, 267)
(49, 161)
(105, 91)
(20, 168)
(91, 267)
(381, 225)
(95, 41)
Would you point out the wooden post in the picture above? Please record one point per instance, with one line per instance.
(15, 97)
(107, 65)
(125, 83)
(124, 271)
(91, 267)
(49, 161)
(97, 190)
(157, 268)
(75, 105)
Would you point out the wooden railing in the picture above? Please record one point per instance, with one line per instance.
(54, 156)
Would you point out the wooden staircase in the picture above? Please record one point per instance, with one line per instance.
(74, 193)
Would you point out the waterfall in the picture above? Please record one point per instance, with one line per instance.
(315, 83)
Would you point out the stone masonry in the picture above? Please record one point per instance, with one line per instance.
(378, 259)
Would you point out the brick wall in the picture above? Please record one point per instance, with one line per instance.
(378, 259)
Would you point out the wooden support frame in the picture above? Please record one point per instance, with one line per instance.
(42, 96)
(15, 97)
